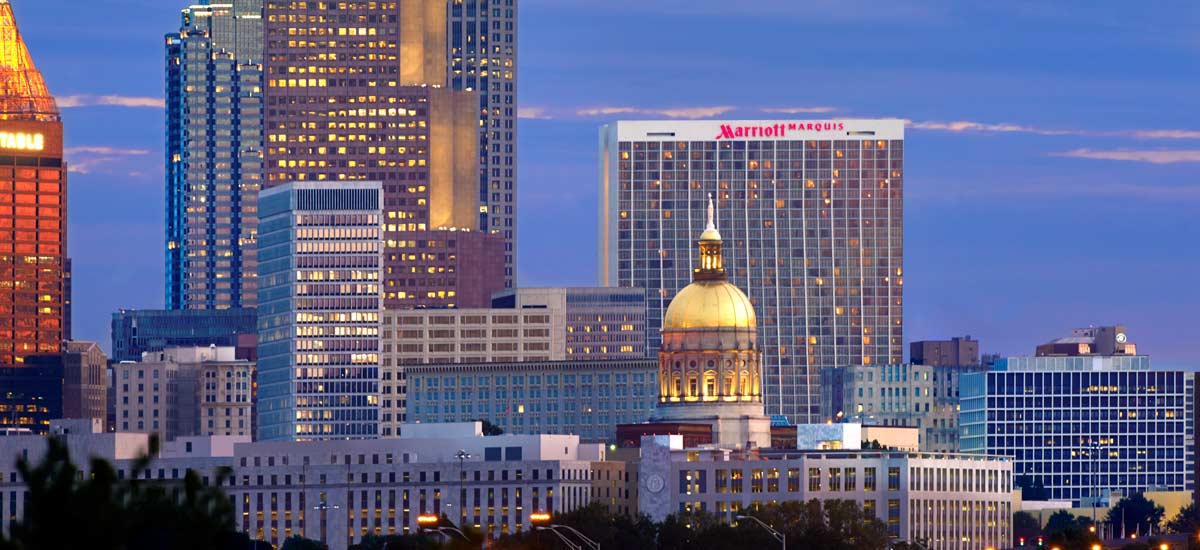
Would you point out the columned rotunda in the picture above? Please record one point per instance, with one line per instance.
(710, 367)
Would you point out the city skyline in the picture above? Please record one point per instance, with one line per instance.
(1057, 143)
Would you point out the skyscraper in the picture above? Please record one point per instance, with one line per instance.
(33, 205)
(356, 91)
(213, 155)
(318, 319)
(483, 57)
(814, 210)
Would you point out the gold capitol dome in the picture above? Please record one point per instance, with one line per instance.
(710, 301)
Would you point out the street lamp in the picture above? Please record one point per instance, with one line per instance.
(782, 538)
(430, 522)
(541, 522)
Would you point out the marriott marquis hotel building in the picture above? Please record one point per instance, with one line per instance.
(814, 214)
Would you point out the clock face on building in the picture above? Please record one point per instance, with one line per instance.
(655, 483)
(1120, 337)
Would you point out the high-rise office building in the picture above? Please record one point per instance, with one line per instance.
(814, 210)
(33, 205)
(483, 57)
(135, 331)
(318, 312)
(356, 91)
(1084, 427)
(213, 154)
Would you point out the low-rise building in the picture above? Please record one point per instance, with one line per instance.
(953, 501)
(70, 384)
(184, 392)
(585, 398)
(1102, 341)
(523, 325)
(919, 396)
(340, 491)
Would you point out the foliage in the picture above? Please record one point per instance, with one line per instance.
(490, 429)
(1025, 526)
(106, 512)
(297, 542)
(1069, 532)
(1138, 514)
(1186, 521)
(835, 525)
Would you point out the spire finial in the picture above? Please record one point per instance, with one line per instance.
(711, 223)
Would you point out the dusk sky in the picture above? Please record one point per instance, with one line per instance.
(1052, 162)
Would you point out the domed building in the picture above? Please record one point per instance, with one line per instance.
(710, 367)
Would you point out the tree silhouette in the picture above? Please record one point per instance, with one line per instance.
(1136, 514)
(98, 510)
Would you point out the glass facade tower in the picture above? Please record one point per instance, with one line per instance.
(33, 206)
(213, 155)
(483, 57)
(318, 316)
(1084, 427)
(813, 212)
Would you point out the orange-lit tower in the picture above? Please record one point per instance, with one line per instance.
(33, 204)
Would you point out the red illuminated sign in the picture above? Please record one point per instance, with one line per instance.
(777, 130)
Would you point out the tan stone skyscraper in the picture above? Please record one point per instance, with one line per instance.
(357, 91)
(33, 205)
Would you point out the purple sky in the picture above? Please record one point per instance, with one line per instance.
(1053, 162)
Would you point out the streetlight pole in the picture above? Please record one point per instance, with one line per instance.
(462, 457)
(593, 545)
(782, 538)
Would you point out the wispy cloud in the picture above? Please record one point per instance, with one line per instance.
(1167, 134)
(1159, 156)
(668, 112)
(970, 126)
(85, 100)
(534, 113)
(104, 150)
(89, 159)
(798, 110)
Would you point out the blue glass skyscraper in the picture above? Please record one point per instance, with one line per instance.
(213, 155)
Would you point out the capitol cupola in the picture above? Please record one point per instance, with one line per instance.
(710, 367)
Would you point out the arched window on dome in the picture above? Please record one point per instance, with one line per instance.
(745, 393)
(729, 386)
(693, 388)
(710, 385)
(676, 387)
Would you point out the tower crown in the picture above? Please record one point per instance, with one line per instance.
(23, 93)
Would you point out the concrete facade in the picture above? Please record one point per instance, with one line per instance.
(340, 491)
(199, 391)
(955, 502)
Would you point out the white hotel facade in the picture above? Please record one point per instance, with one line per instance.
(812, 212)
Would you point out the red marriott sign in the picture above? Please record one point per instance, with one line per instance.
(777, 130)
